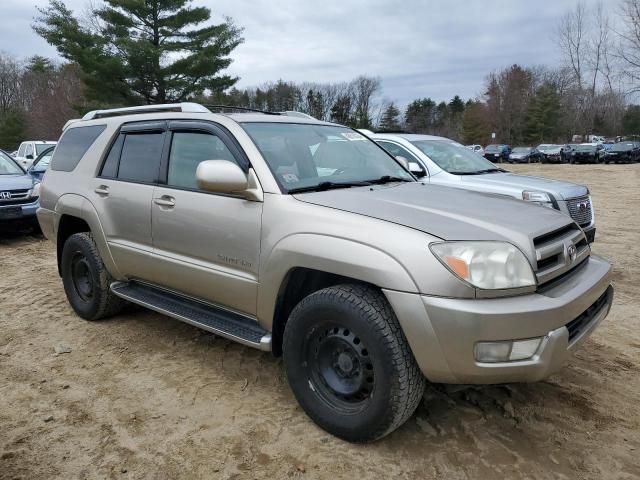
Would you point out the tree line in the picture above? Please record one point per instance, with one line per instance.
(126, 52)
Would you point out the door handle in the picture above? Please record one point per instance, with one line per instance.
(165, 201)
(102, 190)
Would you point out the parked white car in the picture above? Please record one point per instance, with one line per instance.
(30, 149)
(442, 161)
(476, 148)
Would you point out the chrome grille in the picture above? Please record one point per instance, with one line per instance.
(13, 197)
(560, 251)
(580, 210)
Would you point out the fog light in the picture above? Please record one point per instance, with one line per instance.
(508, 351)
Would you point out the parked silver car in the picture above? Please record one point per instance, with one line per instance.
(442, 161)
(306, 239)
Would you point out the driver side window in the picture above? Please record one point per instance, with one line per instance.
(188, 149)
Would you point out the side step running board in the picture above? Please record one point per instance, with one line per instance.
(208, 317)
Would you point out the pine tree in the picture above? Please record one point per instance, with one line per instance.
(390, 118)
(152, 51)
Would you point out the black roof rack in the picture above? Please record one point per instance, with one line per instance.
(223, 108)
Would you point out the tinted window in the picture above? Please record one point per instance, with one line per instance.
(73, 145)
(110, 167)
(140, 158)
(187, 151)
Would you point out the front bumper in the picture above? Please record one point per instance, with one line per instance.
(442, 332)
(10, 214)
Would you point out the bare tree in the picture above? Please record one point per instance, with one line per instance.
(629, 50)
(570, 36)
(10, 83)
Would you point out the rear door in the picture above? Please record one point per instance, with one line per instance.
(122, 195)
(207, 245)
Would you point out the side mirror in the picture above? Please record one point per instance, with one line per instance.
(403, 161)
(29, 157)
(221, 176)
(416, 169)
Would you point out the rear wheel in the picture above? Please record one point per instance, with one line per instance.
(86, 279)
(349, 364)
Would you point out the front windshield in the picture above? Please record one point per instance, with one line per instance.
(622, 146)
(304, 156)
(41, 147)
(521, 150)
(8, 166)
(584, 148)
(453, 157)
(545, 147)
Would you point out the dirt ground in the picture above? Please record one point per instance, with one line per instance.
(144, 396)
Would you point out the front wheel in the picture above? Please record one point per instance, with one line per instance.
(349, 364)
(86, 279)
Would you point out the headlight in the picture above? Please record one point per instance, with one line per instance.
(541, 198)
(35, 191)
(486, 265)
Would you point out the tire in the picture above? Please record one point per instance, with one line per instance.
(86, 280)
(347, 339)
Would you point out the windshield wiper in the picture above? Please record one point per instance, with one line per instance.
(388, 179)
(479, 172)
(320, 187)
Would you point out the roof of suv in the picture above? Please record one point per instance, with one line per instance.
(190, 110)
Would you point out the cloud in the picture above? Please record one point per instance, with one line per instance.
(438, 48)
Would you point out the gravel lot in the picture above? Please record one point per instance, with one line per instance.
(144, 396)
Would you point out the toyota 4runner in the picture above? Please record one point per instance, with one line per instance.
(307, 239)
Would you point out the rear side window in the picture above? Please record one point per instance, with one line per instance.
(140, 157)
(73, 145)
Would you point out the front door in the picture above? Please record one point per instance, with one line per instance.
(206, 245)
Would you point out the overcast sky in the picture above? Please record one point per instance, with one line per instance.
(436, 48)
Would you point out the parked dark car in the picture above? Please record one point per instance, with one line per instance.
(41, 164)
(553, 153)
(497, 153)
(525, 155)
(587, 153)
(623, 152)
(19, 193)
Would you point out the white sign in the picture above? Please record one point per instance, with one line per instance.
(493, 135)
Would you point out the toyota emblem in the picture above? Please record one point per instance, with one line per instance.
(5, 195)
(573, 253)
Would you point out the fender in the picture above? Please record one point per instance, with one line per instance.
(329, 254)
(78, 206)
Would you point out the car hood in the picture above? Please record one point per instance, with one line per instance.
(15, 182)
(447, 213)
(514, 184)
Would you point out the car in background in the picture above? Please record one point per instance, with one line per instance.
(41, 164)
(623, 152)
(441, 161)
(525, 155)
(476, 148)
(19, 194)
(497, 153)
(552, 153)
(13, 154)
(587, 153)
(30, 149)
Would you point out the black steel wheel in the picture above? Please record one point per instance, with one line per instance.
(349, 363)
(86, 279)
